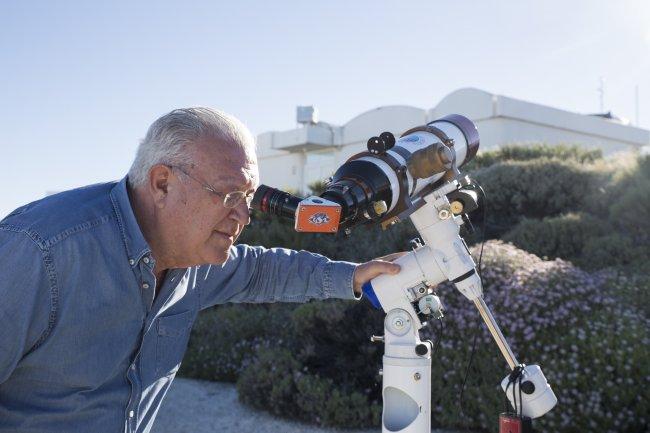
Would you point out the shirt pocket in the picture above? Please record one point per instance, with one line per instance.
(171, 342)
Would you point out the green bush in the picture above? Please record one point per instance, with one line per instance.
(563, 236)
(268, 231)
(534, 189)
(613, 250)
(612, 228)
(620, 173)
(269, 382)
(643, 166)
(631, 211)
(531, 151)
(222, 343)
(321, 402)
(328, 384)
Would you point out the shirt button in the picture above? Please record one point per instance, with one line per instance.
(133, 367)
(131, 262)
(145, 285)
(146, 260)
(131, 414)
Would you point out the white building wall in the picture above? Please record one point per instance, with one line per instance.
(279, 168)
(282, 171)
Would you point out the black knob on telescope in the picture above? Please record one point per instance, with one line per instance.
(379, 145)
(388, 139)
(376, 146)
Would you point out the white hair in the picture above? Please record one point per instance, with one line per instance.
(168, 138)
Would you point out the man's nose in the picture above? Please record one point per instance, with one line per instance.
(241, 213)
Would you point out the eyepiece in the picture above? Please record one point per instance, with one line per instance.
(275, 202)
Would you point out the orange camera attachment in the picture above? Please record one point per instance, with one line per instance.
(317, 215)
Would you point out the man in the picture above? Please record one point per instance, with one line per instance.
(101, 285)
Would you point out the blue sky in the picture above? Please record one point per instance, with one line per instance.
(81, 81)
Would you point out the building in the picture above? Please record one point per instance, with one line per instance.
(295, 158)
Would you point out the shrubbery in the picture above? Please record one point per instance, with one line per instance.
(535, 189)
(516, 152)
(224, 339)
(320, 366)
(564, 236)
(268, 231)
(595, 213)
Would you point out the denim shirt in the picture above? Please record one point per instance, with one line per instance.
(85, 345)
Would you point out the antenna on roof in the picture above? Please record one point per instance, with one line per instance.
(601, 90)
(636, 104)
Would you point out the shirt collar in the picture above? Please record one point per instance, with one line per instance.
(136, 245)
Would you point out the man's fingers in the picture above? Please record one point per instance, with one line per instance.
(369, 270)
(391, 257)
(383, 267)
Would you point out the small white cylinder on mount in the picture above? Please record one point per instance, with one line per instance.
(536, 397)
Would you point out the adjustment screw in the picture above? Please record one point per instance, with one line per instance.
(379, 207)
(443, 214)
(417, 376)
(421, 349)
(415, 243)
(528, 387)
(457, 207)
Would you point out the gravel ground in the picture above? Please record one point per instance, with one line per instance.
(196, 406)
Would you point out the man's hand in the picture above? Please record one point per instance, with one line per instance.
(369, 270)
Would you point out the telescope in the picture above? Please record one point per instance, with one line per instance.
(379, 185)
(416, 176)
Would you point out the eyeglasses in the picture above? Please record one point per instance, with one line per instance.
(229, 200)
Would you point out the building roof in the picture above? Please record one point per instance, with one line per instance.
(476, 104)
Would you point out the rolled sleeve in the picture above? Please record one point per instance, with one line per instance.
(338, 280)
(258, 274)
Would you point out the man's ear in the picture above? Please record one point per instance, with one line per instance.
(159, 178)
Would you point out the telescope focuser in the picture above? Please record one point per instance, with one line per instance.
(433, 159)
